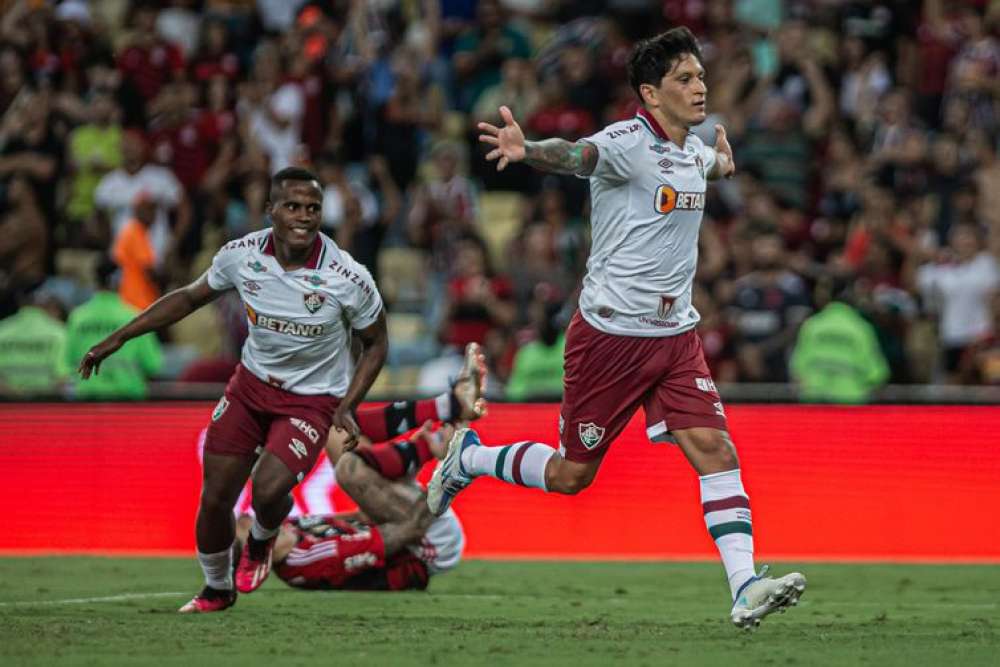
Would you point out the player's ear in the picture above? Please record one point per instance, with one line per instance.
(648, 93)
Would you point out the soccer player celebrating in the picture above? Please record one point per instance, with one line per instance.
(303, 297)
(633, 341)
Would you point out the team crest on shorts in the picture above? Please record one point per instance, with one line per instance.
(220, 408)
(591, 435)
(314, 301)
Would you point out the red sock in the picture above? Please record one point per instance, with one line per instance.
(397, 459)
(389, 421)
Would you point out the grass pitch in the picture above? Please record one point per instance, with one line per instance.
(95, 611)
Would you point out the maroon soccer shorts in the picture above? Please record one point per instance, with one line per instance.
(608, 377)
(254, 416)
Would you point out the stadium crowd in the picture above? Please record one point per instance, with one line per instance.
(140, 136)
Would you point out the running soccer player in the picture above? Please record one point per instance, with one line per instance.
(304, 296)
(392, 542)
(633, 341)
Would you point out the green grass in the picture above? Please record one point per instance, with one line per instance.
(491, 613)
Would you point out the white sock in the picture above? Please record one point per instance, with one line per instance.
(262, 534)
(522, 463)
(218, 569)
(727, 516)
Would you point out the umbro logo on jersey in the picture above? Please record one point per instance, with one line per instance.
(667, 199)
(252, 286)
(666, 166)
(257, 266)
(313, 301)
(298, 448)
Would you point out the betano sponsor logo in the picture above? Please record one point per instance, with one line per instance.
(283, 326)
(667, 199)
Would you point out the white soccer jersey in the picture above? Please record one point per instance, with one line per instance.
(442, 546)
(299, 321)
(647, 199)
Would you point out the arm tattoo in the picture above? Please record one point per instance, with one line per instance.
(561, 156)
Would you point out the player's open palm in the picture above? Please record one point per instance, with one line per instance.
(91, 362)
(508, 141)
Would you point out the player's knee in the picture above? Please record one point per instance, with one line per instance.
(570, 480)
(268, 493)
(717, 446)
(216, 500)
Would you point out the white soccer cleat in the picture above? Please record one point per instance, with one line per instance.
(762, 595)
(471, 384)
(450, 476)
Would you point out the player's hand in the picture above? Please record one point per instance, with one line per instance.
(91, 362)
(722, 147)
(509, 140)
(344, 422)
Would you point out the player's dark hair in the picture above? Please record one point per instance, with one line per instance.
(652, 58)
(289, 174)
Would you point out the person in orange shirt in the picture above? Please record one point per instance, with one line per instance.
(133, 252)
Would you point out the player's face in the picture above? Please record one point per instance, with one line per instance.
(296, 213)
(681, 93)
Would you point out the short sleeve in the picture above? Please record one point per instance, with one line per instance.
(363, 303)
(614, 159)
(708, 157)
(222, 273)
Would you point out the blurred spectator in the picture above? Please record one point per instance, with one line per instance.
(517, 90)
(837, 357)
(95, 148)
(118, 191)
(133, 251)
(981, 362)
(32, 348)
(147, 62)
(477, 300)
(959, 292)
(124, 375)
(537, 372)
(481, 51)
(767, 307)
(23, 244)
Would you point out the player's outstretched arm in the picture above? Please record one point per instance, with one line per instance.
(170, 308)
(724, 164)
(555, 155)
(375, 344)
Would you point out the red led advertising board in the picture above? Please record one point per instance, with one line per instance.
(906, 483)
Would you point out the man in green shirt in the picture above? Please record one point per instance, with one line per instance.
(837, 358)
(32, 351)
(124, 375)
(538, 365)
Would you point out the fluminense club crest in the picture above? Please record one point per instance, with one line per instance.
(591, 434)
(314, 301)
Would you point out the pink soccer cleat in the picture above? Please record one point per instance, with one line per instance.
(209, 600)
(252, 572)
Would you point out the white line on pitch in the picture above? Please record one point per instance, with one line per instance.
(107, 598)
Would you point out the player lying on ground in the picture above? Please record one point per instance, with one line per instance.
(392, 542)
(633, 341)
(395, 541)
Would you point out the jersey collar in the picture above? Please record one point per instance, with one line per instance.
(652, 124)
(314, 256)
